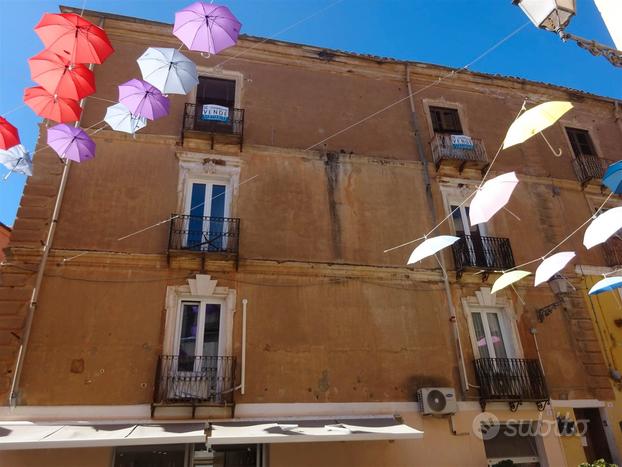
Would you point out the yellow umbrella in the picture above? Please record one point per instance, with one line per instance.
(534, 121)
(508, 278)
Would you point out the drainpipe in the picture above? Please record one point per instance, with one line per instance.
(430, 200)
(243, 377)
(32, 306)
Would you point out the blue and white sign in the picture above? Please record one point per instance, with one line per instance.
(461, 142)
(215, 112)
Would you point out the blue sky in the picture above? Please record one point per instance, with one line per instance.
(446, 32)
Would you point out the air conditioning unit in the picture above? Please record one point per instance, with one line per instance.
(437, 401)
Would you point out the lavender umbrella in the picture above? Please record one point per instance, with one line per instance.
(143, 99)
(206, 27)
(70, 142)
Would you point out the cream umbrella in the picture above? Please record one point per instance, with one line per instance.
(508, 279)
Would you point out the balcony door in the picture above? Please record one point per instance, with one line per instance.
(207, 208)
(477, 254)
(491, 333)
(215, 103)
(199, 346)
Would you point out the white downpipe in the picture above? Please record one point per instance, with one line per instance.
(243, 377)
(32, 306)
(533, 332)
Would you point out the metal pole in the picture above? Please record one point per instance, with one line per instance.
(243, 377)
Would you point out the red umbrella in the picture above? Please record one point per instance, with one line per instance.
(57, 76)
(74, 38)
(9, 136)
(46, 105)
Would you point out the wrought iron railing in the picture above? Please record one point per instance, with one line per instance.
(193, 380)
(512, 380)
(612, 249)
(588, 167)
(443, 148)
(205, 234)
(488, 253)
(230, 123)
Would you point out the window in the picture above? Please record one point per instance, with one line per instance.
(581, 142)
(513, 444)
(215, 103)
(216, 91)
(478, 255)
(445, 120)
(489, 337)
(183, 455)
(207, 207)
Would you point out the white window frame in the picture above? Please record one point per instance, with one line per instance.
(209, 181)
(506, 332)
(484, 300)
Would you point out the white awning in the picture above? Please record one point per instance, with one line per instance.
(41, 436)
(310, 431)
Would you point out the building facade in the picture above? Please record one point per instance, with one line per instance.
(226, 282)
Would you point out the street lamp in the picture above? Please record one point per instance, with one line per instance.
(555, 15)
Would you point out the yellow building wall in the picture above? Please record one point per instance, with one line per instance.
(571, 445)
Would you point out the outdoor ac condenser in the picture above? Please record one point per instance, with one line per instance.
(437, 401)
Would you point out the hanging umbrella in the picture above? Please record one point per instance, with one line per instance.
(552, 265)
(535, 120)
(206, 27)
(17, 159)
(143, 99)
(9, 135)
(168, 70)
(70, 142)
(606, 285)
(57, 76)
(120, 118)
(507, 279)
(603, 227)
(613, 177)
(46, 105)
(491, 197)
(74, 38)
(431, 246)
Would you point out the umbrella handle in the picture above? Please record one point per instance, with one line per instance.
(555, 153)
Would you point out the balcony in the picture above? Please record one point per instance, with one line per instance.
(217, 236)
(225, 129)
(486, 253)
(612, 250)
(512, 380)
(194, 381)
(445, 151)
(589, 168)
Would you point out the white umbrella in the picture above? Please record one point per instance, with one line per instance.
(16, 159)
(431, 246)
(168, 70)
(491, 197)
(508, 279)
(119, 117)
(552, 265)
(603, 227)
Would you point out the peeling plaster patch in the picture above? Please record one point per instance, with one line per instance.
(331, 166)
(323, 384)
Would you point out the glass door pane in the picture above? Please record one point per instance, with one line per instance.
(188, 336)
(480, 335)
(496, 336)
(217, 227)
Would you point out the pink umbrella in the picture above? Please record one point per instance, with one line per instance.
(491, 197)
(206, 27)
(143, 99)
(70, 142)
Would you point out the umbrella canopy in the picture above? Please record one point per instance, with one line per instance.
(57, 76)
(120, 118)
(535, 120)
(17, 159)
(491, 197)
(70, 142)
(552, 265)
(143, 99)
(431, 246)
(74, 38)
(9, 135)
(613, 177)
(206, 27)
(508, 279)
(168, 70)
(606, 285)
(46, 105)
(603, 227)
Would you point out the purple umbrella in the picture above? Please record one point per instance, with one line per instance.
(206, 27)
(70, 142)
(143, 99)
